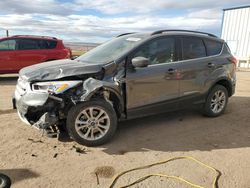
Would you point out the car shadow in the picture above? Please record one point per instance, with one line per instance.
(8, 79)
(185, 131)
(7, 111)
(17, 175)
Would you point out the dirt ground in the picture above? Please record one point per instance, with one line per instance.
(32, 160)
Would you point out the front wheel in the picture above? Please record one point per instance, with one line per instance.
(216, 101)
(92, 123)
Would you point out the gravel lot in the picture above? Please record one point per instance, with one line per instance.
(32, 160)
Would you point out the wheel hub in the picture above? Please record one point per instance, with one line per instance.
(92, 123)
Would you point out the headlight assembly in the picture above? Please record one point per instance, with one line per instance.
(55, 87)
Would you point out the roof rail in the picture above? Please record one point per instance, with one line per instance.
(124, 34)
(180, 30)
(34, 36)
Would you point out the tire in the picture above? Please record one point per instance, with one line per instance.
(86, 128)
(5, 181)
(217, 96)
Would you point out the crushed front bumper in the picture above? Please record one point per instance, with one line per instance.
(24, 98)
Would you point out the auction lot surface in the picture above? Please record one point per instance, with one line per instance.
(224, 143)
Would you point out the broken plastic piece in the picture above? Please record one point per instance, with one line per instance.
(45, 121)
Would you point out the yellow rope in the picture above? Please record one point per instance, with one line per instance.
(167, 176)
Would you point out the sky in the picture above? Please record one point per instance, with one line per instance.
(96, 21)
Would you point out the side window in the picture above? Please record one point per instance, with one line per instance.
(47, 44)
(7, 45)
(158, 51)
(42, 44)
(193, 48)
(51, 44)
(213, 47)
(28, 44)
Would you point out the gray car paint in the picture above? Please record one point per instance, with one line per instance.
(144, 86)
(151, 84)
(58, 69)
(193, 79)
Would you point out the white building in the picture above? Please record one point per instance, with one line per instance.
(236, 32)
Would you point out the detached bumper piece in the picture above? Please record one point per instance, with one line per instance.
(45, 121)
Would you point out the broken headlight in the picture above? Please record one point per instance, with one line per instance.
(55, 87)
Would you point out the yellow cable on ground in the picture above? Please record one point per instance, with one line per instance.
(215, 181)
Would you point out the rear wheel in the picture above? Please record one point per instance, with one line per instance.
(216, 101)
(92, 123)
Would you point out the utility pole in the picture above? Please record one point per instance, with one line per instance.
(7, 33)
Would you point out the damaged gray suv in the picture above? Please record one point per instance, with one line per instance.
(132, 75)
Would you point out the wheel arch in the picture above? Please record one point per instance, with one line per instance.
(111, 96)
(109, 91)
(224, 82)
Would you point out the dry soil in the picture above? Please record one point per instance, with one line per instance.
(32, 160)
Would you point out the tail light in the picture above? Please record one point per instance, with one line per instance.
(233, 60)
(68, 53)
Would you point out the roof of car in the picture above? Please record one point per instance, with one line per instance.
(194, 35)
(174, 32)
(32, 37)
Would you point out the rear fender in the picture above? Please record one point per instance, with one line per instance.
(218, 75)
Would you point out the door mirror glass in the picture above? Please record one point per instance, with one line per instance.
(140, 62)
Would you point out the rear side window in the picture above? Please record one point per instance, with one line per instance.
(193, 48)
(51, 44)
(47, 44)
(34, 44)
(7, 45)
(213, 47)
(28, 44)
(158, 51)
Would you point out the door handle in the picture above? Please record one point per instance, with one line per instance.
(171, 71)
(211, 65)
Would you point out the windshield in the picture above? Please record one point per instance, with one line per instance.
(111, 50)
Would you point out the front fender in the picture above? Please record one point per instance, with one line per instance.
(92, 86)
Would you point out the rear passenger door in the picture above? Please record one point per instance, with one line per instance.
(30, 53)
(195, 69)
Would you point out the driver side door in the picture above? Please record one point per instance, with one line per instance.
(154, 88)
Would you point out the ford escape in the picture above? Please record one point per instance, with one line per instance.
(132, 75)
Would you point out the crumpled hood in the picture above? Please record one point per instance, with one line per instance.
(53, 70)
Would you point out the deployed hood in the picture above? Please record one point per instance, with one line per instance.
(53, 70)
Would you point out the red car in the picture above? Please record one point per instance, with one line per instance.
(21, 51)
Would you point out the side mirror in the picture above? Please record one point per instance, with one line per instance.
(140, 62)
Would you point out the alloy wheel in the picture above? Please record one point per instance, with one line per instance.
(92, 123)
(218, 101)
